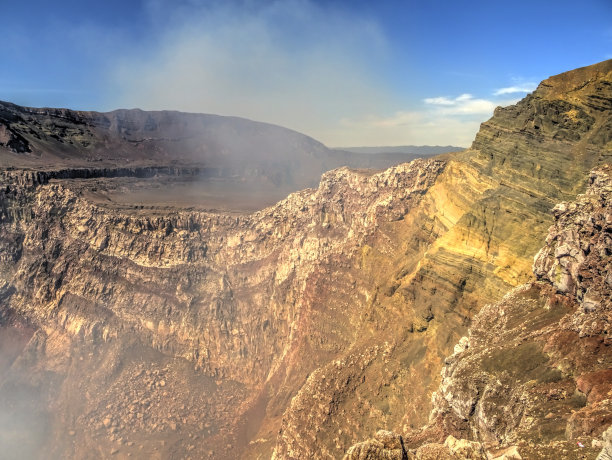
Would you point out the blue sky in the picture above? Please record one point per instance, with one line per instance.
(345, 72)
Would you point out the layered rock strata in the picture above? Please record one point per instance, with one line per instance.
(534, 374)
(226, 293)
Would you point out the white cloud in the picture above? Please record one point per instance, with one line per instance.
(464, 104)
(464, 97)
(524, 88)
(440, 101)
(443, 120)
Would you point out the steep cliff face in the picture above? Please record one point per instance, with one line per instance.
(296, 330)
(227, 293)
(535, 371)
(175, 277)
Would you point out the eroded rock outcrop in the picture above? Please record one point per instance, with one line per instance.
(534, 375)
(576, 259)
(385, 445)
(606, 451)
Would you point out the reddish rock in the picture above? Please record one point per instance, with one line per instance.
(596, 385)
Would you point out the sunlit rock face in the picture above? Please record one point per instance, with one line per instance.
(534, 372)
(222, 292)
(297, 330)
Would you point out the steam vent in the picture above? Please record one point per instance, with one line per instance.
(451, 307)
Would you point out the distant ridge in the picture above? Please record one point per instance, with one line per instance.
(51, 139)
(420, 150)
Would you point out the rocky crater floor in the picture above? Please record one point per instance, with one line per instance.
(404, 300)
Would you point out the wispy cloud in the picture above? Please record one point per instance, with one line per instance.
(524, 88)
(465, 104)
(442, 120)
(441, 100)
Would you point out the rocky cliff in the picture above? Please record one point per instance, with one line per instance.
(226, 293)
(533, 377)
(297, 330)
(536, 368)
